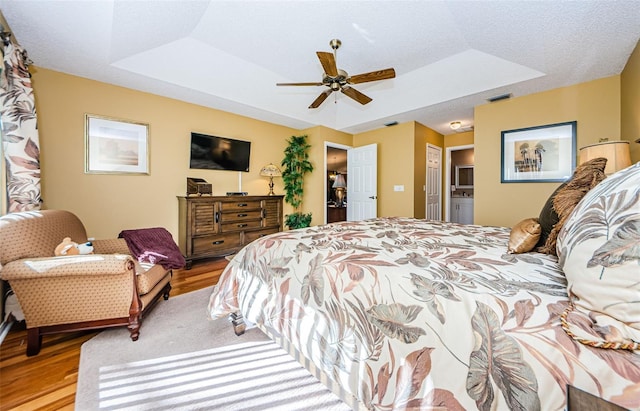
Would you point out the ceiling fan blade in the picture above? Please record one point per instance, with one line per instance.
(372, 76)
(299, 84)
(356, 95)
(322, 97)
(328, 62)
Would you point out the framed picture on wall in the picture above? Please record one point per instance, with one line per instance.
(538, 154)
(115, 146)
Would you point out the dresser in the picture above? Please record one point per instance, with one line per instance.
(215, 226)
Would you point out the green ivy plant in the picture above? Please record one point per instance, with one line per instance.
(295, 165)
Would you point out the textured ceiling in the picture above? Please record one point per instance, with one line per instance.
(449, 56)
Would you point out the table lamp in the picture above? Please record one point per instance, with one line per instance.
(616, 153)
(271, 170)
(339, 184)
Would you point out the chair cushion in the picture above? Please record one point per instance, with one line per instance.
(148, 275)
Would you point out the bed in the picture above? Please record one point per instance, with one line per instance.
(402, 313)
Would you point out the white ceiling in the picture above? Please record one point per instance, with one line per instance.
(449, 56)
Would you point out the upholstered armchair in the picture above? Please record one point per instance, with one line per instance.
(79, 292)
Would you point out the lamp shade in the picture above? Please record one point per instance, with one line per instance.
(616, 153)
(270, 170)
(339, 182)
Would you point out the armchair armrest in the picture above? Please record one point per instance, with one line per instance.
(67, 266)
(97, 286)
(110, 246)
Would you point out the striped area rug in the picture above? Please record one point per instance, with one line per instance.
(184, 361)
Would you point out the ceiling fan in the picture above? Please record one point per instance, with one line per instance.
(336, 79)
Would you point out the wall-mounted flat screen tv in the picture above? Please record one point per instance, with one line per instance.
(219, 153)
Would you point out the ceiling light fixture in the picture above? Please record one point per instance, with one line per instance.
(455, 125)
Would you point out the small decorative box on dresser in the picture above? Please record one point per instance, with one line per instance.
(214, 226)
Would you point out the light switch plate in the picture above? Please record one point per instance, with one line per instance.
(398, 188)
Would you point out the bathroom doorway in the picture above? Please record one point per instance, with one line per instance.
(459, 192)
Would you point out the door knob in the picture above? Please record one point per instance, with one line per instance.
(373, 197)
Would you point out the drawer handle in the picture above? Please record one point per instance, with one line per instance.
(264, 213)
(217, 216)
(242, 215)
(218, 242)
(242, 205)
(242, 225)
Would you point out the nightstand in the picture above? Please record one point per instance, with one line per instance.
(578, 400)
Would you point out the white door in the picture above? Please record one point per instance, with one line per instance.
(362, 186)
(434, 183)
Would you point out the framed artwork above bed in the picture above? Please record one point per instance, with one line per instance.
(538, 154)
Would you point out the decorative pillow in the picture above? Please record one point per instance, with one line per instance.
(599, 249)
(524, 236)
(548, 217)
(586, 176)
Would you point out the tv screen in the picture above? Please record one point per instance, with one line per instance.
(219, 153)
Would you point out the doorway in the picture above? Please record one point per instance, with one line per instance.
(335, 190)
(459, 195)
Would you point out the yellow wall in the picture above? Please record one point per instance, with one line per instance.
(594, 105)
(395, 167)
(110, 203)
(458, 139)
(630, 117)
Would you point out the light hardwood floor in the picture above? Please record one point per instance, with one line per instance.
(48, 380)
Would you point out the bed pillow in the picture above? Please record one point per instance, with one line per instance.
(599, 248)
(524, 236)
(586, 176)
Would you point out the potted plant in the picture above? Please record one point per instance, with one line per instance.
(295, 165)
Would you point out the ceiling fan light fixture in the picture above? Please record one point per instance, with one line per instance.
(336, 79)
(455, 125)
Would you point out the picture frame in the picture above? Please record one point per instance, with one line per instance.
(116, 146)
(538, 154)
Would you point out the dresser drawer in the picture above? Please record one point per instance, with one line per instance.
(239, 216)
(250, 236)
(240, 205)
(216, 243)
(240, 225)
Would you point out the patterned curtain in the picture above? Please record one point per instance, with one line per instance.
(20, 142)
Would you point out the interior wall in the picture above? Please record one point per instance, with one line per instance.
(108, 204)
(594, 105)
(458, 139)
(395, 167)
(630, 101)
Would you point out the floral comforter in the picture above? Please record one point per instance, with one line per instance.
(414, 314)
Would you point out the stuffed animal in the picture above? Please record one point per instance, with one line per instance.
(68, 247)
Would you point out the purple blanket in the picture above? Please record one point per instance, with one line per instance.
(154, 245)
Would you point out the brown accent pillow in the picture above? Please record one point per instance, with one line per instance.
(548, 216)
(524, 236)
(586, 176)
